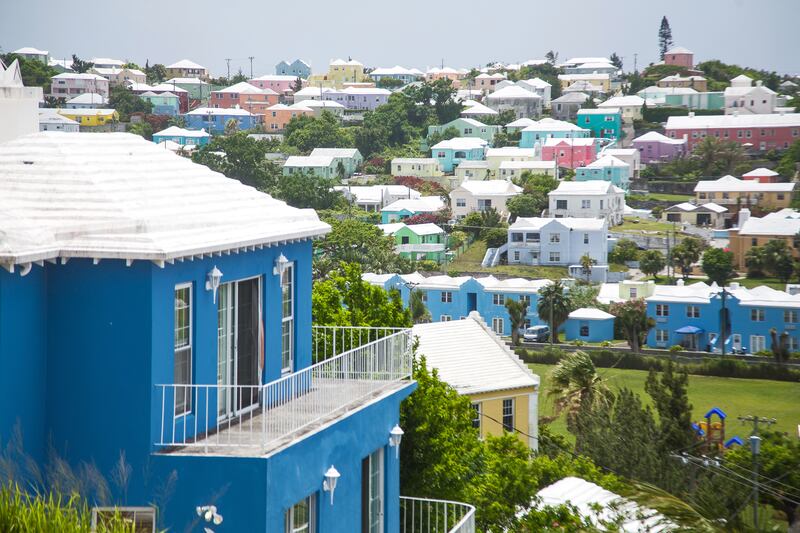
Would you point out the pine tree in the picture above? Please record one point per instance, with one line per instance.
(671, 401)
(664, 37)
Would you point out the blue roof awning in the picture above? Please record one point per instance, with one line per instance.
(689, 330)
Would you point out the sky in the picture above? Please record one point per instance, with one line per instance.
(412, 33)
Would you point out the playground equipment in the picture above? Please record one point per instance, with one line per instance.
(713, 432)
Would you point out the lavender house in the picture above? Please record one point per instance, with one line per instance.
(655, 147)
(359, 98)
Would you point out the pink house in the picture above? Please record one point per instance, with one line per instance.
(279, 115)
(281, 84)
(570, 153)
(244, 96)
(759, 132)
(679, 57)
(654, 147)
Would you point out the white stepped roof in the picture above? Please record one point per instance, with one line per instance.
(78, 76)
(623, 101)
(732, 184)
(550, 124)
(679, 50)
(487, 365)
(759, 172)
(528, 165)
(654, 136)
(30, 51)
(185, 63)
(185, 81)
(423, 204)
(590, 313)
(513, 92)
(425, 229)
(88, 98)
(477, 108)
(534, 223)
(175, 131)
(116, 195)
(490, 188)
(521, 123)
(245, 88)
(786, 227)
(511, 151)
(575, 141)
(585, 188)
(336, 152)
(777, 120)
(607, 161)
(460, 143)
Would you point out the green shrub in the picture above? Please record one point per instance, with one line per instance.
(676, 348)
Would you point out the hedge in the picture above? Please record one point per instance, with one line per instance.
(661, 114)
(725, 368)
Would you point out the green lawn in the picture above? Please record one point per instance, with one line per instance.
(777, 399)
(755, 282)
(663, 197)
(641, 225)
(470, 261)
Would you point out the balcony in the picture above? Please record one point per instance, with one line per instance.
(420, 515)
(355, 366)
(420, 248)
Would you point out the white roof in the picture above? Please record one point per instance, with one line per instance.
(590, 313)
(312, 91)
(597, 64)
(620, 151)
(679, 50)
(473, 164)
(477, 108)
(88, 98)
(423, 204)
(246, 88)
(299, 106)
(513, 91)
(113, 71)
(521, 123)
(367, 91)
(460, 143)
(654, 136)
(490, 188)
(30, 51)
(107, 61)
(310, 161)
(336, 152)
(582, 60)
(185, 81)
(396, 70)
(169, 87)
(576, 141)
(587, 497)
(321, 103)
(425, 229)
(220, 111)
(275, 77)
(770, 226)
(512, 285)
(87, 112)
(550, 124)
(175, 131)
(599, 111)
(761, 296)
(759, 172)
(487, 364)
(116, 195)
(571, 97)
(731, 184)
(623, 101)
(415, 161)
(185, 63)
(78, 76)
(536, 82)
(534, 223)
(350, 62)
(733, 121)
(390, 229)
(585, 188)
(577, 77)
(510, 151)
(54, 118)
(528, 165)
(377, 193)
(607, 161)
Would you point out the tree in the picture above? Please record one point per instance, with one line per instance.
(554, 305)
(616, 60)
(436, 137)
(551, 57)
(80, 66)
(306, 133)
(624, 250)
(787, 167)
(416, 304)
(297, 85)
(517, 311)
(587, 262)
(575, 385)
(305, 190)
(716, 157)
(669, 391)
(155, 74)
(687, 253)
(231, 126)
(756, 262)
(389, 83)
(240, 157)
(126, 102)
(526, 205)
(495, 237)
(718, 265)
(633, 320)
(34, 72)
(142, 128)
(353, 241)
(778, 259)
(651, 262)
(490, 218)
(664, 38)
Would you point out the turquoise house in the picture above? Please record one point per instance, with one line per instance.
(182, 136)
(452, 152)
(549, 128)
(589, 325)
(467, 127)
(604, 123)
(163, 103)
(408, 207)
(607, 168)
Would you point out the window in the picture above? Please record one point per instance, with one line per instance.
(447, 297)
(585, 238)
(584, 329)
(508, 415)
(555, 238)
(555, 257)
(693, 311)
(424, 296)
(586, 204)
(662, 336)
(287, 318)
(757, 343)
(476, 415)
(143, 519)
(662, 310)
(461, 202)
(497, 325)
(532, 238)
(183, 349)
(561, 204)
(498, 299)
(516, 256)
(757, 315)
(754, 241)
(633, 293)
(445, 318)
(525, 298)
(516, 237)
(781, 196)
(790, 316)
(372, 492)
(484, 204)
(300, 517)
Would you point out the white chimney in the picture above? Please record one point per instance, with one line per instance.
(759, 83)
(733, 285)
(19, 105)
(744, 216)
(691, 114)
(681, 282)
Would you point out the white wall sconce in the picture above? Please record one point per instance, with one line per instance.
(210, 515)
(395, 436)
(331, 477)
(212, 281)
(280, 265)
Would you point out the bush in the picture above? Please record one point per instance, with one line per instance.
(676, 348)
(427, 265)
(495, 237)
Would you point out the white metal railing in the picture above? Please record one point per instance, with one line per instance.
(423, 515)
(421, 247)
(329, 341)
(264, 416)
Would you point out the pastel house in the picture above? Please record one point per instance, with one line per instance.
(321, 166)
(605, 122)
(481, 196)
(680, 57)
(589, 325)
(452, 152)
(548, 128)
(165, 103)
(49, 121)
(71, 84)
(759, 131)
(607, 168)
(630, 107)
(418, 242)
(566, 106)
(244, 96)
(358, 98)
(87, 101)
(281, 84)
(401, 74)
(591, 199)
(655, 147)
(196, 87)
(471, 170)
(186, 68)
(278, 116)
(350, 159)
(570, 153)
(214, 119)
(182, 136)
(477, 110)
(512, 170)
(467, 127)
(709, 214)
(497, 156)
(522, 102)
(91, 118)
(557, 241)
(401, 209)
(418, 167)
(296, 69)
(373, 198)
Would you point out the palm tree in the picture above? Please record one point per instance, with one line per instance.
(419, 313)
(576, 385)
(231, 126)
(517, 309)
(587, 262)
(555, 304)
(756, 261)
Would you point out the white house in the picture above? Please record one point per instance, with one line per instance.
(49, 121)
(630, 106)
(482, 195)
(540, 87)
(557, 241)
(472, 170)
(495, 156)
(87, 101)
(511, 170)
(373, 198)
(418, 167)
(588, 199)
(476, 110)
(631, 156)
(744, 98)
(520, 124)
(18, 104)
(523, 102)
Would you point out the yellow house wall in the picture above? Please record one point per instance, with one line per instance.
(492, 406)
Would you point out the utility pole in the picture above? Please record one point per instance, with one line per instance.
(228, 61)
(635, 58)
(755, 449)
(251, 65)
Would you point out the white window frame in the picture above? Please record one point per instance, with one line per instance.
(187, 402)
(790, 316)
(477, 408)
(586, 204)
(376, 459)
(445, 318)
(498, 299)
(137, 512)
(662, 309)
(311, 525)
(692, 311)
(555, 238)
(662, 336)
(757, 339)
(555, 257)
(288, 321)
(508, 405)
(757, 314)
(447, 297)
(498, 325)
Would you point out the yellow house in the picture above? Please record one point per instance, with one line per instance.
(475, 361)
(736, 194)
(340, 72)
(91, 117)
(595, 78)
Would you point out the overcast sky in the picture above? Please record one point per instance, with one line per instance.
(412, 33)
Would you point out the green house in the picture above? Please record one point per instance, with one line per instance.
(417, 241)
(467, 127)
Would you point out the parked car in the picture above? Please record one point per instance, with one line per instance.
(537, 334)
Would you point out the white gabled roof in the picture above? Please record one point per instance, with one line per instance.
(550, 124)
(369, 91)
(585, 188)
(513, 92)
(590, 313)
(118, 196)
(389, 229)
(275, 77)
(46, 117)
(490, 188)
(732, 184)
(87, 112)
(169, 87)
(245, 88)
(308, 161)
(679, 50)
(607, 161)
(425, 229)
(528, 165)
(78, 76)
(777, 120)
(654, 136)
(30, 51)
(760, 172)
(88, 98)
(574, 141)
(107, 61)
(423, 204)
(521, 123)
(599, 111)
(175, 131)
(477, 108)
(185, 81)
(185, 63)
(204, 111)
(482, 164)
(770, 226)
(336, 152)
(510, 151)
(320, 103)
(623, 101)
(534, 223)
(415, 161)
(460, 143)
(471, 357)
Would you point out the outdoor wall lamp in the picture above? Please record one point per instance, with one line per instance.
(212, 281)
(331, 477)
(395, 436)
(280, 265)
(209, 514)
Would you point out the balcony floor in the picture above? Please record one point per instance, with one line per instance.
(258, 433)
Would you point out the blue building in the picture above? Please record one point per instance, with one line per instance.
(452, 152)
(297, 68)
(589, 325)
(214, 119)
(453, 298)
(607, 168)
(548, 128)
(605, 123)
(182, 136)
(691, 316)
(156, 312)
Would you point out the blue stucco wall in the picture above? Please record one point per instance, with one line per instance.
(23, 358)
(599, 126)
(217, 122)
(599, 330)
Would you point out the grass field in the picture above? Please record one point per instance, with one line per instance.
(663, 197)
(641, 225)
(777, 399)
(744, 282)
(470, 261)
